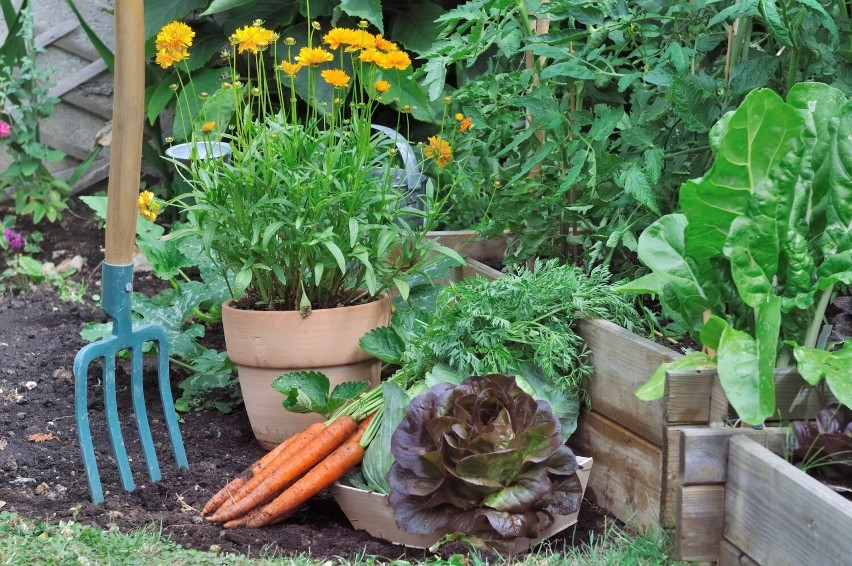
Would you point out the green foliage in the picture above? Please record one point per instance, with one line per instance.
(24, 101)
(180, 312)
(483, 326)
(591, 142)
(764, 237)
(310, 392)
(378, 457)
(520, 324)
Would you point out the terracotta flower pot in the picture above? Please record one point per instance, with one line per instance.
(266, 344)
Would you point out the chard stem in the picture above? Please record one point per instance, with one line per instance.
(816, 323)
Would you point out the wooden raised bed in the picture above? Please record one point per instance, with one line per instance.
(633, 442)
(662, 463)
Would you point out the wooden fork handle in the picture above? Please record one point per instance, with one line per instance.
(127, 122)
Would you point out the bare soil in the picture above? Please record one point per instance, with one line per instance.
(43, 477)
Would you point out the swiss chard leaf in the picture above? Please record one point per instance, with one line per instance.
(378, 458)
(835, 367)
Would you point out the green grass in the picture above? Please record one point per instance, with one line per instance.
(24, 541)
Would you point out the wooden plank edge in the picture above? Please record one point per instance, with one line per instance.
(777, 514)
(704, 451)
(699, 522)
(76, 79)
(730, 555)
(50, 35)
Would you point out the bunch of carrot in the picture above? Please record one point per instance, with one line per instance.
(277, 485)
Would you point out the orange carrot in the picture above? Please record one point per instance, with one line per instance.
(290, 470)
(235, 484)
(299, 442)
(331, 469)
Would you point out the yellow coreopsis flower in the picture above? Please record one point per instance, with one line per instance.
(148, 205)
(362, 39)
(252, 38)
(368, 55)
(313, 56)
(291, 69)
(175, 37)
(335, 77)
(207, 127)
(166, 57)
(393, 60)
(440, 150)
(382, 86)
(385, 45)
(465, 124)
(338, 37)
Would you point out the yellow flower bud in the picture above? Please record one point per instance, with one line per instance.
(289, 41)
(170, 139)
(363, 24)
(204, 95)
(255, 91)
(173, 87)
(316, 25)
(447, 100)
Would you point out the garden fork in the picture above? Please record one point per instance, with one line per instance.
(117, 273)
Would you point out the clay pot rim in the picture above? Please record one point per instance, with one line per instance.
(230, 305)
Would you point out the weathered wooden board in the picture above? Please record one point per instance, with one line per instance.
(74, 80)
(623, 361)
(699, 522)
(472, 269)
(627, 476)
(87, 104)
(795, 399)
(730, 555)
(687, 396)
(60, 30)
(704, 451)
(779, 515)
(467, 242)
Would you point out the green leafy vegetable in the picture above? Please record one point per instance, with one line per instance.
(763, 239)
(308, 392)
(482, 458)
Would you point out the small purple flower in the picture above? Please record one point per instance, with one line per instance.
(5, 129)
(15, 239)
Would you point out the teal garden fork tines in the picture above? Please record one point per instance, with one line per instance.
(117, 273)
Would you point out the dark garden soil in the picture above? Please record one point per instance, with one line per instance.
(42, 476)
